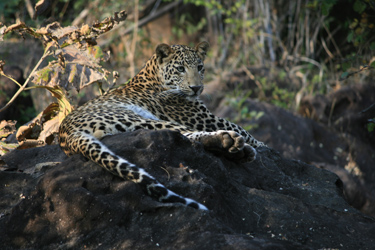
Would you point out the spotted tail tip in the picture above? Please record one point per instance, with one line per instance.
(194, 204)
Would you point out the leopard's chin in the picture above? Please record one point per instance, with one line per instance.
(192, 97)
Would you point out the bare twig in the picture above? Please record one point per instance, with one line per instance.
(131, 48)
(143, 21)
(252, 77)
(326, 49)
(368, 108)
(10, 78)
(46, 53)
(30, 8)
(330, 37)
(80, 17)
(169, 176)
(309, 60)
(366, 67)
(331, 111)
(84, 13)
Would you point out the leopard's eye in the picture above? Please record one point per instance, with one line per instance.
(181, 69)
(200, 67)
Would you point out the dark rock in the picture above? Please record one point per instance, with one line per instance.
(347, 152)
(31, 157)
(21, 169)
(271, 203)
(346, 112)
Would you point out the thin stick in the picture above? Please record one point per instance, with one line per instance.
(10, 78)
(30, 8)
(46, 53)
(367, 109)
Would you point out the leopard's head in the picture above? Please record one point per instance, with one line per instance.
(181, 68)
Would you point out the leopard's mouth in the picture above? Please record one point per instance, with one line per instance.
(185, 93)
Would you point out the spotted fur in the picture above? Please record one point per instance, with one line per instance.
(163, 95)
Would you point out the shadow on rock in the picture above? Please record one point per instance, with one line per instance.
(271, 203)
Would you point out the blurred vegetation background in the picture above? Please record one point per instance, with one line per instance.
(288, 49)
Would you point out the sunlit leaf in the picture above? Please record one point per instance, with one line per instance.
(82, 68)
(7, 128)
(2, 30)
(63, 107)
(43, 129)
(50, 130)
(6, 147)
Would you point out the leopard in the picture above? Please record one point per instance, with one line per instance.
(163, 95)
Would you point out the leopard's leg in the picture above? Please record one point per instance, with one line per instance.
(93, 149)
(230, 143)
(206, 121)
(84, 138)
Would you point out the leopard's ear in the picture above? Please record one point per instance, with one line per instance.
(202, 49)
(163, 51)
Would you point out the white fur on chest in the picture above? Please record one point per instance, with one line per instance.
(141, 112)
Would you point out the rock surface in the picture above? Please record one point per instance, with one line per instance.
(271, 203)
(338, 140)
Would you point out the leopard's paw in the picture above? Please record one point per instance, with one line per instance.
(231, 141)
(247, 154)
(223, 141)
(229, 144)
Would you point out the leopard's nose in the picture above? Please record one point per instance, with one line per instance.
(195, 88)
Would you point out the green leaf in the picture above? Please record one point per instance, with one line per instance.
(344, 75)
(350, 36)
(325, 9)
(372, 46)
(326, 6)
(359, 6)
(370, 127)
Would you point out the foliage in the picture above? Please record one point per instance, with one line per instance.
(74, 62)
(237, 99)
(184, 25)
(361, 35)
(319, 43)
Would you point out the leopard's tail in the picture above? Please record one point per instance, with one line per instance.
(93, 149)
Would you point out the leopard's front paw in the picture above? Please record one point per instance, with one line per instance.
(247, 154)
(223, 141)
(229, 144)
(231, 141)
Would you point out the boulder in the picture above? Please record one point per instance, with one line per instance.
(270, 203)
(349, 153)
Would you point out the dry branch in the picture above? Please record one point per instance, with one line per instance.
(143, 21)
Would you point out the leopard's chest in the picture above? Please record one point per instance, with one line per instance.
(144, 113)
